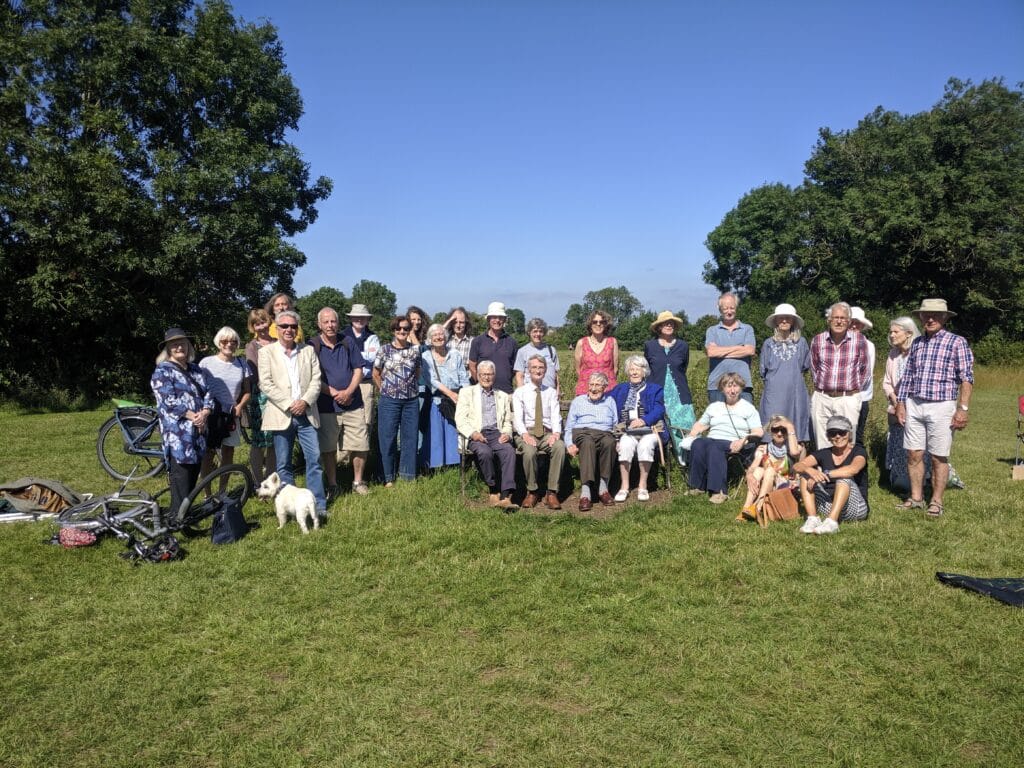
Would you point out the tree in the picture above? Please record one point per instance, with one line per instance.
(309, 307)
(515, 323)
(145, 182)
(899, 208)
(378, 298)
(617, 302)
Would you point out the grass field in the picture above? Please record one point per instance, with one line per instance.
(415, 630)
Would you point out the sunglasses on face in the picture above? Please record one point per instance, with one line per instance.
(597, 322)
(832, 434)
(287, 326)
(403, 329)
(778, 431)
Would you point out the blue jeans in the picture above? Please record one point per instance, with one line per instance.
(284, 440)
(398, 418)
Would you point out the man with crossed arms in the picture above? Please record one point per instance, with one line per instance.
(537, 421)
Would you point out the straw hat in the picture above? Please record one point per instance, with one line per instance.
(933, 305)
(359, 310)
(784, 310)
(856, 313)
(663, 318)
(496, 309)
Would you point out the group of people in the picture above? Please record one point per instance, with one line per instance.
(436, 391)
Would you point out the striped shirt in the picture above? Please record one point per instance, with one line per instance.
(585, 413)
(936, 366)
(842, 366)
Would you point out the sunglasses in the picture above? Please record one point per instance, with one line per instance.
(598, 322)
(287, 326)
(778, 431)
(833, 433)
(404, 328)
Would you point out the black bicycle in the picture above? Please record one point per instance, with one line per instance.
(129, 443)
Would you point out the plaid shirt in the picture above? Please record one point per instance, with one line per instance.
(842, 366)
(936, 366)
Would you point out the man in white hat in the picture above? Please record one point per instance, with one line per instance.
(932, 400)
(367, 343)
(859, 322)
(496, 346)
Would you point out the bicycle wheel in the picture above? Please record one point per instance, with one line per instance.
(88, 514)
(232, 481)
(113, 451)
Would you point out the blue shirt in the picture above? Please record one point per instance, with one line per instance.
(501, 352)
(585, 413)
(740, 335)
(337, 365)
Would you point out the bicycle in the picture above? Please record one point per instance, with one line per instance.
(129, 441)
(143, 512)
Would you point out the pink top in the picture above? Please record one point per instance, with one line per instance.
(596, 362)
(894, 366)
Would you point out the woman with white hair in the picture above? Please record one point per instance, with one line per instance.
(785, 357)
(229, 379)
(641, 406)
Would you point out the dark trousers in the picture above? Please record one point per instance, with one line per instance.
(490, 451)
(862, 421)
(182, 478)
(597, 454)
(709, 464)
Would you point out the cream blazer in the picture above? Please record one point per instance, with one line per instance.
(468, 417)
(275, 384)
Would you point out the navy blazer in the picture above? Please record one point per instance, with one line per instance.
(652, 398)
(674, 363)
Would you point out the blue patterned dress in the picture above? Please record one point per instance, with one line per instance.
(178, 391)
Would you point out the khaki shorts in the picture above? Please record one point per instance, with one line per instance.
(344, 431)
(929, 426)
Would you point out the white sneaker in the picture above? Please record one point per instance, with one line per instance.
(622, 495)
(643, 495)
(828, 525)
(812, 522)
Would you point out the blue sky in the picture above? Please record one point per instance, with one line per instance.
(532, 151)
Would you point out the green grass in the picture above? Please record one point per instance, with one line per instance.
(416, 630)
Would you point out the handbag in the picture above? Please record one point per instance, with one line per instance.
(229, 523)
(447, 405)
(778, 506)
(219, 425)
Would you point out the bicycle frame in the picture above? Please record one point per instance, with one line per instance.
(138, 444)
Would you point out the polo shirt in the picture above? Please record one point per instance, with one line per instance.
(337, 365)
(501, 352)
(739, 335)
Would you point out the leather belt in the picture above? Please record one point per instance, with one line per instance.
(839, 392)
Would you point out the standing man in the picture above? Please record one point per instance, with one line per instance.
(342, 423)
(933, 398)
(290, 378)
(367, 342)
(496, 346)
(859, 322)
(729, 346)
(460, 333)
(537, 421)
(839, 367)
(483, 416)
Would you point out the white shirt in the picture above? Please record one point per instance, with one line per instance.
(524, 401)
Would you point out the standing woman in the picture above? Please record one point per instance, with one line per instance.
(784, 358)
(669, 357)
(418, 320)
(597, 352)
(902, 332)
(262, 460)
(447, 374)
(229, 380)
(396, 372)
(183, 404)
(280, 302)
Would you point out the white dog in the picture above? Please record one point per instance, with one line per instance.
(290, 500)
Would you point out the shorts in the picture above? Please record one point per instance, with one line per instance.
(929, 426)
(343, 431)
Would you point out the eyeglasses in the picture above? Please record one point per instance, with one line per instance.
(840, 319)
(287, 326)
(779, 431)
(832, 434)
(598, 322)
(229, 341)
(404, 328)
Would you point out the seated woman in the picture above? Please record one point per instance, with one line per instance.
(772, 468)
(729, 425)
(834, 480)
(588, 434)
(640, 405)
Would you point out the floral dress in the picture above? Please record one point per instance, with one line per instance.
(177, 392)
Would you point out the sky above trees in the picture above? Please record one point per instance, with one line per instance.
(532, 152)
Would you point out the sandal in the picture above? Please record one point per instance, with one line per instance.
(934, 509)
(911, 504)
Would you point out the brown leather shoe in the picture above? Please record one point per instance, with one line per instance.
(505, 503)
(531, 499)
(551, 501)
(585, 504)
(606, 499)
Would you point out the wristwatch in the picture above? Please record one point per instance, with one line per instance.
(962, 407)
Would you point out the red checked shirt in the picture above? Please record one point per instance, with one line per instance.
(936, 366)
(842, 366)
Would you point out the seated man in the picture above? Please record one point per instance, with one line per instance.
(834, 481)
(537, 422)
(483, 417)
(588, 433)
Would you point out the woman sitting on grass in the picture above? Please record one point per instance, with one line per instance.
(834, 482)
(772, 467)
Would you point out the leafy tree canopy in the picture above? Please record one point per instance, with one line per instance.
(309, 307)
(145, 182)
(897, 209)
(379, 299)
